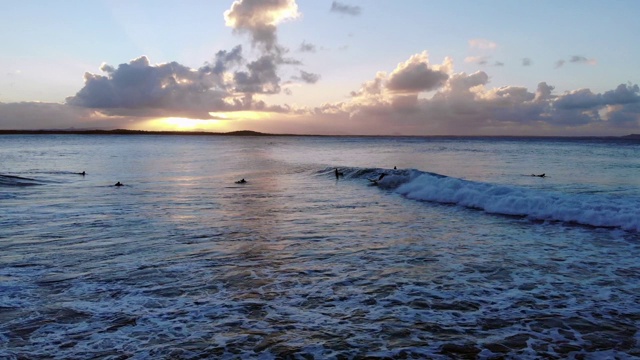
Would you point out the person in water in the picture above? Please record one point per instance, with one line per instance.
(541, 175)
(242, 181)
(375, 181)
(119, 184)
(82, 173)
(338, 173)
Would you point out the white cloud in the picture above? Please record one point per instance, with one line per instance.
(482, 44)
(259, 18)
(463, 105)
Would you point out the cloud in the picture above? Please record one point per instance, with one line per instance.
(306, 47)
(345, 9)
(259, 18)
(170, 86)
(463, 104)
(307, 77)
(261, 77)
(415, 75)
(581, 60)
(225, 58)
(480, 60)
(230, 82)
(576, 59)
(526, 62)
(141, 89)
(482, 44)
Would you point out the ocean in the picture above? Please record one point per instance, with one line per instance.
(456, 252)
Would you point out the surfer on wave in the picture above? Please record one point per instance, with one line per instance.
(375, 181)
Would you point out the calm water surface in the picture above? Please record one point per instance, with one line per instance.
(182, 262)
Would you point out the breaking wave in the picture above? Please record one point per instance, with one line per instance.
(11, 180)
(599, 210)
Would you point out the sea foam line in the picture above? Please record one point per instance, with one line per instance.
(584, 209)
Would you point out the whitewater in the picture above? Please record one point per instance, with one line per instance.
(432, 248)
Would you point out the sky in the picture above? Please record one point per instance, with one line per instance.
(349, 67)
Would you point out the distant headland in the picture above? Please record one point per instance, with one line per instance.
(256, 133)
(133, 132)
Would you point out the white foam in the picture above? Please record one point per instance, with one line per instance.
(586, 209)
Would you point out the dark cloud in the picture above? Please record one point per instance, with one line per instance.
(140, 89)
(224, 59)
(623, 94)
(415, 76)
(543, 92)
(139, 85)
(578, 59)
(345, 9)
(261, 77)
(526, 62)
(307, 77)
(306, 47)
(577, 99)
(575, 59)
(586, 99)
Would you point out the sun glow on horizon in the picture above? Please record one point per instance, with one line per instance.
(241, 115)
(185, 124)
(219, 122)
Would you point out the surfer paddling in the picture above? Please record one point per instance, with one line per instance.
(119, 184)
(241, 181)
(541, 175)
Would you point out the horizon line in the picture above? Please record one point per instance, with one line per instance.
(258, 133)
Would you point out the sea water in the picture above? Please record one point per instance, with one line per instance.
(457, 252)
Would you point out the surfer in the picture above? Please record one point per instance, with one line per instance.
(119, 184)
(541, 175)
(242, 181)
(375, 181)
(82, 173)
(338, 173)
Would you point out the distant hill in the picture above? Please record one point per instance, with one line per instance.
(242, 133)
(132, 132)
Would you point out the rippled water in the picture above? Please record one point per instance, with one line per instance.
(181, 262)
